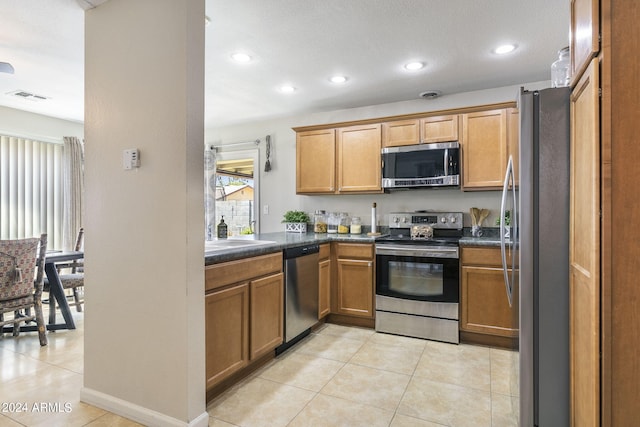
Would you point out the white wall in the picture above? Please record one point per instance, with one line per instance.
(144, 324)
(278, 187)
(36, 126)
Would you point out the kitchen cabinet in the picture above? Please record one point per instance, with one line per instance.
(243, 314)
(420, 131)
(355, 279)
(484, 308)
(584, 249)
(227, 332)
(484, 149)
(359, 159)
(339, 161)
(584, 35)
(266, 314)
(316, 161)
(324, 281)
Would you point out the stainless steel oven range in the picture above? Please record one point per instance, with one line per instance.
(418, 274)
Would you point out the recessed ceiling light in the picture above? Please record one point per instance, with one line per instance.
(338, 79)
(413, 66)
(287, 89)
(240, 57)
(505, 48)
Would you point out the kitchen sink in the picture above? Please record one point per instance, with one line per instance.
(227, 244)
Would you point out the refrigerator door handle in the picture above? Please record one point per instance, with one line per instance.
(503, 242)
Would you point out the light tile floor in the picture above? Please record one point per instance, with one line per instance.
(346, 376)
(338, 376)
(40, 386)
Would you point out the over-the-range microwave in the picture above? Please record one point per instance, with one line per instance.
(422, 165)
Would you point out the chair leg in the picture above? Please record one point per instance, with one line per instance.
(16, 324)
(42, 329)
(76, 298)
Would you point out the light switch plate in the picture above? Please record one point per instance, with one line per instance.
(131, 158)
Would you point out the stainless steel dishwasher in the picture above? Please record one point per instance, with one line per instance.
(300, 293)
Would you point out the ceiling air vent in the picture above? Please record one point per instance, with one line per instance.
(430, 94)
(22, 94)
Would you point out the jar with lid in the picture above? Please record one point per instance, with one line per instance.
(334, 221)
(343, 226)
(560, 69)
(320, 222)
(356, 225)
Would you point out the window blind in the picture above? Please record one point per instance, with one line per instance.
(31, 189)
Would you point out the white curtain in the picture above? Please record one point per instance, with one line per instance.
(30, 189)
(73, 190)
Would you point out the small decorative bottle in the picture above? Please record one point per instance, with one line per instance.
(222, 229)
(560, 75)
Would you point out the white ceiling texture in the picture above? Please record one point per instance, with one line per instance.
(302, 43)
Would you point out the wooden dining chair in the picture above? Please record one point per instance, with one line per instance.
(21, 283)
(73, 280)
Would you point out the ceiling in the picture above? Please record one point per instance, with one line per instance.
(302, 43)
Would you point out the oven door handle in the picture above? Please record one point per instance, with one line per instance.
(408, 250)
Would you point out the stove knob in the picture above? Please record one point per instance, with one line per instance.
(443, 220)
(404, 219)
(396, 219)
(452, 220)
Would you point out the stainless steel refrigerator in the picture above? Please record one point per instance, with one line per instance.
(538, 247)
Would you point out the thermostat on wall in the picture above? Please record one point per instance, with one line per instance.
(131, 158)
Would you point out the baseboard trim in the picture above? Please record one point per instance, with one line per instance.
(137, 413)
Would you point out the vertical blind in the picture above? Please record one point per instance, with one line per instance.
(31, 189)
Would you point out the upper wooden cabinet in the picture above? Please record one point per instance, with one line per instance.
(484, 149)
(316, 161)
(359, 159)
(343, 160)
(585, 35)
(426, 130)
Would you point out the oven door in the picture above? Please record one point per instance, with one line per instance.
(418, 273)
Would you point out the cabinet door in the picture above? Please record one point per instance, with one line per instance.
(315, 161)
(484, 149)
(401, 132)
(439, 129)
(359, 159)
(227, 332)
(267, 311)
(355, 287)
(584, 250)
(324, 287)
(513, 140)
(484, 307)
(585, 34)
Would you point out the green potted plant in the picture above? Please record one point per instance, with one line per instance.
(296, 221)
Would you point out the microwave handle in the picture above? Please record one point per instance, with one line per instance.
(446, 162)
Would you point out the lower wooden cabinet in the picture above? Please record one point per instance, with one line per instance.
(324, 281)
(244, 316)
(227, 332)
(266, 310)
(355, 279)
(484, 307)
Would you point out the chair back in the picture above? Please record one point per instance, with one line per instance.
(18, 261)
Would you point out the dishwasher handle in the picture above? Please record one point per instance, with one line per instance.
(299, 251)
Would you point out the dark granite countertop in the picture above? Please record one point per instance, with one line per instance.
(281, 240)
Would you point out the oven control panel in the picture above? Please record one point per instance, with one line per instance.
(450, 220)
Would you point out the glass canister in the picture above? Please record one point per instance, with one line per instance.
(560, 69)
(345, 222)
(356, 225)
(334, 221)
(320, 222)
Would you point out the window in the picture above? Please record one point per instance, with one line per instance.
(31, 189)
